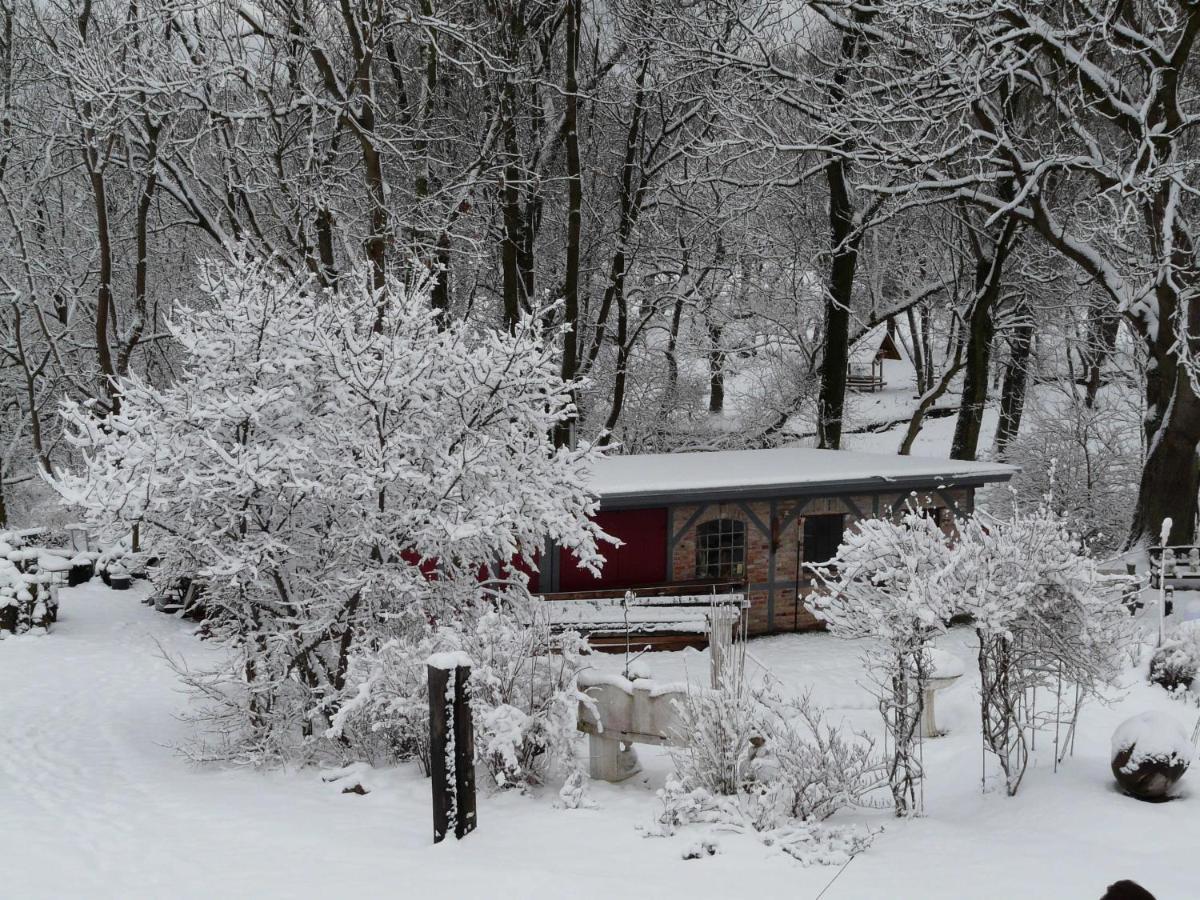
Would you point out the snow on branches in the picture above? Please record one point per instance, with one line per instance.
(1045, 625)
(1049, 629)
(339, 467)
(888, 582)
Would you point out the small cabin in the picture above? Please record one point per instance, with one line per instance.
(749, 521)
(867, 356)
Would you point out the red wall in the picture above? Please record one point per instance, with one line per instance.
(641, 559)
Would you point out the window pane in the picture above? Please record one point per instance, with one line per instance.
(721, 549)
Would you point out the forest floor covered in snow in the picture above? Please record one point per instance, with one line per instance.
(96, 800)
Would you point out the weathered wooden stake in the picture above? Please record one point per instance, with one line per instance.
(451, 746)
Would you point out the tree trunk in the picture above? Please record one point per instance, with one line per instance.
(1103, 324)
(981, 331)
(104, 296)
(831, 400)
(1171, 474)
(918, 358)
(928, 399)
(672, 350)
(516, 276)
(716, 371)
(439, 297)
(846, 236)
(327, 266)
(141, 273)
(1016, 379)
(570, 352)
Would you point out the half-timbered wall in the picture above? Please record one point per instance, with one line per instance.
(776, 577)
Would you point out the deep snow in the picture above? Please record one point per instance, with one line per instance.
(94, 800)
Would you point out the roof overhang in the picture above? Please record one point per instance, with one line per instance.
(641, 499)
(632, 482)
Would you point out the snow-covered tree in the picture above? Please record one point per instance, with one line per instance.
(337, 467)
(1047, 625)
(888, 584)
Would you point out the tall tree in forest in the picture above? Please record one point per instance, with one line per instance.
(1104, 115)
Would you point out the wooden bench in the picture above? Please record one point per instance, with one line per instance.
(661, 617)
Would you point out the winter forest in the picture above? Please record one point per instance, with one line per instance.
(712, 447)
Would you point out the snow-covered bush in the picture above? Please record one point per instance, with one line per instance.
(888, 584)
(523, 693)
(28, 577)
(720, 732)
(340, 466)
(751, 759)
(1047, 625)
(1176, 661)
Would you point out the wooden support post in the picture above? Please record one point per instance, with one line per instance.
(451, 745)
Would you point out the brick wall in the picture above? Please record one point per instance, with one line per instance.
(775, 545)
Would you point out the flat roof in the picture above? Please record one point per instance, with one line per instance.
(661, 478)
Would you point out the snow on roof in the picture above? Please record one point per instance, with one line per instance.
(741, 474)
(872, 342)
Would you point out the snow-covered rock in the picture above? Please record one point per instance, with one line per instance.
(1150, 753)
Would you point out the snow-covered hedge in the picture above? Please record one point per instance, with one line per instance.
(29, 577)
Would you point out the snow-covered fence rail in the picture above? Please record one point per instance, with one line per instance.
(451, 745)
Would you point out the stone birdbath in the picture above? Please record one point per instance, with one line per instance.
(620, 713)
(945, 669)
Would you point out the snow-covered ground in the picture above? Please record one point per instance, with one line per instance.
(95, 802)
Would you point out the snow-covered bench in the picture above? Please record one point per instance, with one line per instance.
(664, 622)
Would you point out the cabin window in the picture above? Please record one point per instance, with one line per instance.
(822, 537)
(721, 549)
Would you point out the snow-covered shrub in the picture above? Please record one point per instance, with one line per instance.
(888, 584)
(720, 732)
(1176, 661)
(386, 718)
(523, 693)
(751, 759)
(1047, 625)
(28, 596)
(334, 463)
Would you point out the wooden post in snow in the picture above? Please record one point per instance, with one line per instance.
(451, 745)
